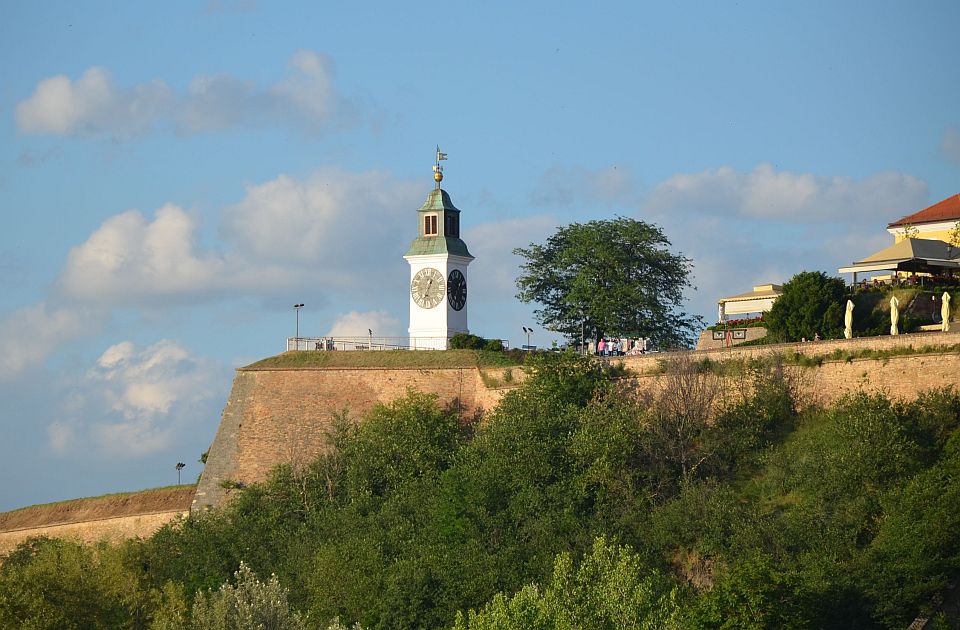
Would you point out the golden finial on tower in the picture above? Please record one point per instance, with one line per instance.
(437, 169)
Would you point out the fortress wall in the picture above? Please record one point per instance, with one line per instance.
(282, 415)
(896, 377)
(112, 530)
(651, 362)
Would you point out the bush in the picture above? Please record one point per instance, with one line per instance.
(249, 604)
(812, 302)
(466, 341)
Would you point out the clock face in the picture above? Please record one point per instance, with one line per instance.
(457, 289)
(427, 288)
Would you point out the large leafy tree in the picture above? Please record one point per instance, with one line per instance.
(614, 277)
(812, 303)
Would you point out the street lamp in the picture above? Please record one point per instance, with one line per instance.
(179, 467)
(297, 308)
(529, 331)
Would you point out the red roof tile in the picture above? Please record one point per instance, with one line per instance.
(946, 210)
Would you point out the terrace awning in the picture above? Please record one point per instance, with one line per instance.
(910, 254)
(760, 300)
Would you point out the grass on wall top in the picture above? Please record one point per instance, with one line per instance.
(385, 359)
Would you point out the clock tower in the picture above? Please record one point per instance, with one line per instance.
(438, 271)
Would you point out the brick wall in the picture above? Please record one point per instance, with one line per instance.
(109, 529)
(897, 377)
(651, 362)
(282, 415)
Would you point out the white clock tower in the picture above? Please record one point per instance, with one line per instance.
(438, 271)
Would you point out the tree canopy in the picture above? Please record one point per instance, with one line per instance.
(614, 277)
(570, 506)
(812, 302)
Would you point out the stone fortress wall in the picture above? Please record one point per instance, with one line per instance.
(112, 518)
(278, 416)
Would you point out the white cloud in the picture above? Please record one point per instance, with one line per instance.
(339, 223)
(568, 186)
(951, 144)
(31, 334)
(494, 272)
(356, 324)
(334, 230)
(128, 259)
(765, 193)
(91, 105)
(136, 400)
(94, 106)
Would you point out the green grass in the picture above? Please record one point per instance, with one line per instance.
(113, 495)
(388, 359)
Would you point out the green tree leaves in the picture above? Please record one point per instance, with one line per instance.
(614, 277)
(812, 303)
(611, 589)
(837, 517)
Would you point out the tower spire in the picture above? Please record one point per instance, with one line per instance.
(437, 169)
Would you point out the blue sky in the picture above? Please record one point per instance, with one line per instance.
(174, 178)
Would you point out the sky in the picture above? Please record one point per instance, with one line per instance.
(175, 176)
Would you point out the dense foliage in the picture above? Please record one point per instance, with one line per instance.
(613, 277)
(571, 505)
(812, 304)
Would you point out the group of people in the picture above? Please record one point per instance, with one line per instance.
(618, 347)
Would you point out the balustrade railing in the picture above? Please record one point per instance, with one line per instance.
(369, 342)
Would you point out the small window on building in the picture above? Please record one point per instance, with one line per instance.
(430, 225)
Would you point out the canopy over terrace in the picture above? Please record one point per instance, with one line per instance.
(911, 255)
(757, 301)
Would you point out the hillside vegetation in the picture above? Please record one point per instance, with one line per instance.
(572, 506)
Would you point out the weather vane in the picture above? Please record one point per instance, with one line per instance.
(437, 169)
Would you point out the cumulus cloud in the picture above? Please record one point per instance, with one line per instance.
(765, 193)
(333, 229)
(91, 105)
(140, 399)
(339, 223)
(29, 335)
(566, 186)
(493, 273)
(950, 146)
(129, 258)
(94, 106)
(356, 324)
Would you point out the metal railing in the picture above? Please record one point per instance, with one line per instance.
(369, 342)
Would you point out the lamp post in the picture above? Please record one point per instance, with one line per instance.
(583, 348)
(528, 331)
(297, 307)
(370, 332)
(179, 467)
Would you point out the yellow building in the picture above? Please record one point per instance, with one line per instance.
(938, 222)
(758, 301)
(926, 243)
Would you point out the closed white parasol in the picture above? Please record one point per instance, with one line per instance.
(894, 315)
(945, 312)
(848, 321)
